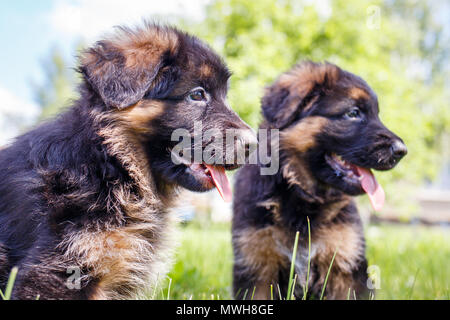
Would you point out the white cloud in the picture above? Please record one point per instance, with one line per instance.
(90, 18)
(15, 114)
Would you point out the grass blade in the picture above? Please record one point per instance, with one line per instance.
(245, 294)
(168, 289)
(305, 289)
(10, 285)
(253, 294)
(293, 286)
(238, 292)
(413, 285)
(291, 274)
(271, 292)
(155, 288)
(279, 291)
(328, 273)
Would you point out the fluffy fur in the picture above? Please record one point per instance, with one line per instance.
(90, 189)
(313, 106)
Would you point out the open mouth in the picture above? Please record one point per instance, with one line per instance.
(215, 176)
(355, 175)
(209, 175)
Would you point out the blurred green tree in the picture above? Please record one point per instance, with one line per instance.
(58, 87)
(385, 42)
(399, 47)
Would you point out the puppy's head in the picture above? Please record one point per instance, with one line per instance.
(330, 124)
(156, 80)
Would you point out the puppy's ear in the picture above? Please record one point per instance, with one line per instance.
(122, 76)
(281, 105)
(295, 90)
(278, 106)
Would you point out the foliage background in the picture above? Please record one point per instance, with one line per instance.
(402, 53)
(401, 48)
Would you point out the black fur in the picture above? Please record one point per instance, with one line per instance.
(322, 94)
(76, 174)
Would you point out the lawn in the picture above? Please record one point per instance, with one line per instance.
(413, 263)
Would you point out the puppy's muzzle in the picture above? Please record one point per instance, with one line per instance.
(390, 149)
(398, 150)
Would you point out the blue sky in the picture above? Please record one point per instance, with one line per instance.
(30, 29)
(26, 35)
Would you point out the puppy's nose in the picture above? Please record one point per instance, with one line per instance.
(398, 150)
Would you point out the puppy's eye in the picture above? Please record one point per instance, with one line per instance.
(353, 114)
(198, 95)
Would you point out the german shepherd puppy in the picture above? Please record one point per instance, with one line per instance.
(330, 138)
(84, 198)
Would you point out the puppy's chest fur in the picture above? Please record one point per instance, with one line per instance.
(126, 260)
(335, 229)
(132, 254)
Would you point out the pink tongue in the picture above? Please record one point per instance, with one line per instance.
(221, 181)
(372, 188)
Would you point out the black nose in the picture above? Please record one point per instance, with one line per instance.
(398, 150)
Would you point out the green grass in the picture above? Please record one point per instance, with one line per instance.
(412, 261)
(291, 286)
(203, 264)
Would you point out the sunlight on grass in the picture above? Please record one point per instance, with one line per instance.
(291, 286)
(203, 264)
(413, 262)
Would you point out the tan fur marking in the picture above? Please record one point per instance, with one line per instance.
(141, 48)
(310, 103)
(128, 149)
(146, 46)
(261, 252)
(132, 257)
(138, 116)
(262, 290)
(302, 137)
(206, 71)
(334, 209)
(345, 238)
(302, 78)
(273, 206)
(358, 93)
(124, 259)
(348, 241)
(296, 141)
(296, 173)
